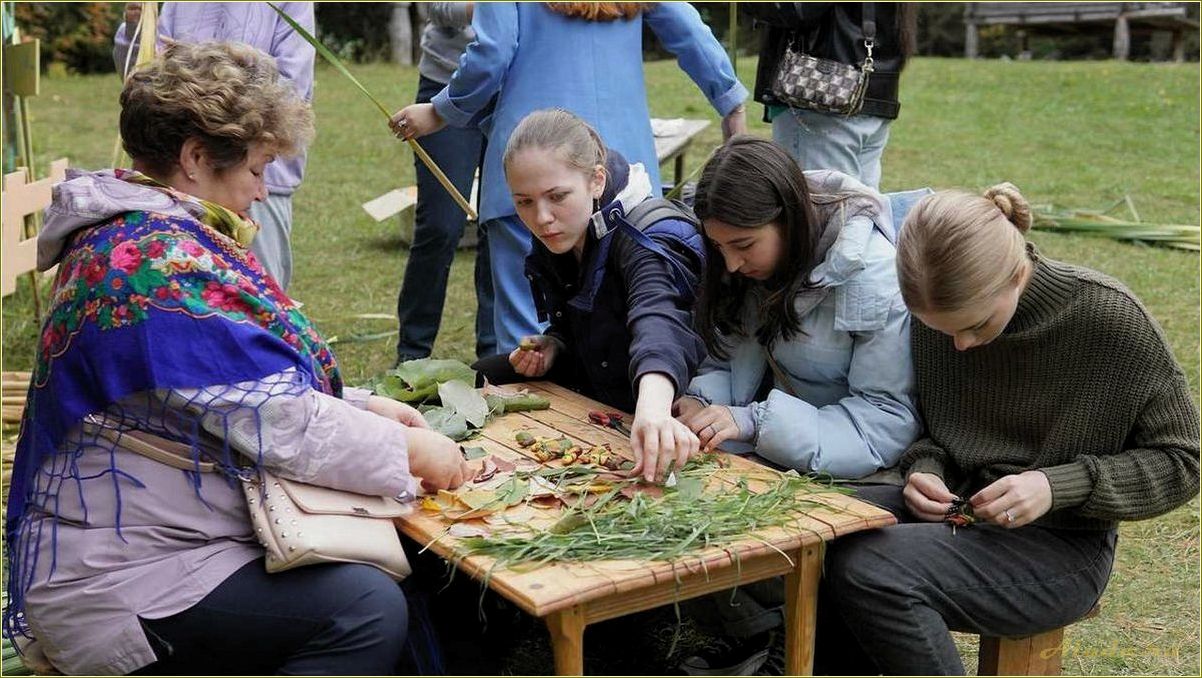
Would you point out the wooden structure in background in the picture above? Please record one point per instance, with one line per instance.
(1075, 18)
(22, 199)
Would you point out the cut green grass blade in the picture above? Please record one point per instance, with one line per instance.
(417, 149)
(329, 56)
(1099, 224)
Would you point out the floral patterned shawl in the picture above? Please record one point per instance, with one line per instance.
(153, 291)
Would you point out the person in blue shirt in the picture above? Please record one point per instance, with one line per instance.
(587, 58)
(800, 288)
(616, 287)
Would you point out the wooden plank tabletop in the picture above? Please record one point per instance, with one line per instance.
(555, 587)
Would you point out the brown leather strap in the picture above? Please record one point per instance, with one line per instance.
(169, 452)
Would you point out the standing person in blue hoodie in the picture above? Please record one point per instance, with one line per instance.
(583, 56)
(801, 292)
(618, 296)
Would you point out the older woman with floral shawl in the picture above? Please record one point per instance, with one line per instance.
(163, 322)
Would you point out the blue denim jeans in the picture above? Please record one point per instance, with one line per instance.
(319, 620)
(514, 312)
(437, 228)
(852, 145)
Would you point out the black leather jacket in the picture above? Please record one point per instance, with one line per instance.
(832, 30)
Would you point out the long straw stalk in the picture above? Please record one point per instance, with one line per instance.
(417, 149)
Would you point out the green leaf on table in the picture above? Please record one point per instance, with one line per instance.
(690, 487)
(496, 405)
(523, 402)
(475, 453)
(514, 491)
(419, 374)
(395, 387)
(448, 422)
(466, 400)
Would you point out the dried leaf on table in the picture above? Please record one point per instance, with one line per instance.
(477, 499)
(546, 502)
(653, 491)
(503, 465)
(517, 516)
(468, 530)
(486, 472)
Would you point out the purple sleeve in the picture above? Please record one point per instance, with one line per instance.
(293, 55)
(307, 435)
(357, 397)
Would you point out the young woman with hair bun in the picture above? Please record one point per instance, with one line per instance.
(1054, 409)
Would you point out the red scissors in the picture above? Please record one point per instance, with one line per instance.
(609, 419)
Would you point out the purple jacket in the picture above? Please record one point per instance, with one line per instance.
(253, 23)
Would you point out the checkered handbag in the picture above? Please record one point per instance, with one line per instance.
(803, 81)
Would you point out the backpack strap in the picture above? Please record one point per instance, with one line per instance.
(654, 216)
(654, 210)
(665, 213)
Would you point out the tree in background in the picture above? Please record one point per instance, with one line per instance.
(78, 35)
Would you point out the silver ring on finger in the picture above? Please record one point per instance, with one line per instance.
(1009, 515)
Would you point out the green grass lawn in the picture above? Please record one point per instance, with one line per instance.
(1076, 134)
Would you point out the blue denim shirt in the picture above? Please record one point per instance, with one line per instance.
(850, 367)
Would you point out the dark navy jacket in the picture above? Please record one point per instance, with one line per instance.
(634, 322)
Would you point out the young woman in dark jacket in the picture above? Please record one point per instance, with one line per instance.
(618, 297)
(835, 31)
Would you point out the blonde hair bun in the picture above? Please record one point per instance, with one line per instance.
(1012, 204)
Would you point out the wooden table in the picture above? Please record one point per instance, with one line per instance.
(674, 146)
(569, 596)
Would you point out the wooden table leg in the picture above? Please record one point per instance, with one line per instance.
(567, 640)
(801, 611)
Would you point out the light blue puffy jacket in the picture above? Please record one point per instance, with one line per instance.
(850, 366)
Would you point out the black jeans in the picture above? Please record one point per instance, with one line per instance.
(891, 596)
(339, 619)
(438, 223)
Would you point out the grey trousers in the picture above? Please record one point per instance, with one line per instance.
(273, 244)
(890, 597)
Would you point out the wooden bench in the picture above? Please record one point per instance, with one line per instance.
(1038, 655)
(673, 139)
(1075, 18)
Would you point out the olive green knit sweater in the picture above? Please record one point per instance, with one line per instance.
(1081, 385)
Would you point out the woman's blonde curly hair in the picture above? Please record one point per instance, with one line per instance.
(229, 96)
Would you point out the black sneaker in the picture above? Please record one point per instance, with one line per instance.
(739, 657)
